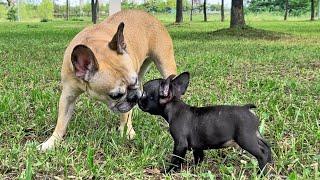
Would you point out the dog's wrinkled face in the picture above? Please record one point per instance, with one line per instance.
(108, 71)
(157, 93)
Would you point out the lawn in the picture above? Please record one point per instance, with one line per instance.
(273, 64)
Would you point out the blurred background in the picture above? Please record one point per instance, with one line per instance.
(95, 10)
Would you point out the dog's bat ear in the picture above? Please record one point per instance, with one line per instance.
(165, 86)
(165, 92)
(117, 43)
(84, 62)
(180, 84)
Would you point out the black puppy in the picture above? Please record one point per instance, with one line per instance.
(197, 129)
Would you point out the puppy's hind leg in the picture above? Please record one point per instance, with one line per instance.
(265, 147)
(249, 143)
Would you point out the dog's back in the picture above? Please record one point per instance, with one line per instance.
(212, 126)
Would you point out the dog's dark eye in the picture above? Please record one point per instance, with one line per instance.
(116, 96)
(151, 98)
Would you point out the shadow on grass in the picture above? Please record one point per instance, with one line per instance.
(234, 33)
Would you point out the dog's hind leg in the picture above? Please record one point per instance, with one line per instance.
(66, 107)
(265, 147)
(249, 143)
(144, 68)
(163, 56)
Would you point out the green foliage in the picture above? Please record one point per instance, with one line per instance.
(156, 6)
(12, 14)
(87, 9)
(3, 11)
(296, 7)
(28, 10)
(215, 7)
(45, 10)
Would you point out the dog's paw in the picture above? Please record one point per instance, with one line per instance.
(46, 146)
(49, 144)
(170, 169)
(130, 134)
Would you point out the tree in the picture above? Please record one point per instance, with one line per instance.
(295, 7)
(12, 14)
(237, 15)
(45, 10)
(179, 8)
(205, 10)
(312, 10)
(94, 10)
(67, 9)
(286, 10)
(191, 10)
(222, 10)
(10, 2)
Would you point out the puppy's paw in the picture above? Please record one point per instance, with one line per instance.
(170, 170)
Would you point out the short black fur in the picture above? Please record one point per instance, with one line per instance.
(201, 128)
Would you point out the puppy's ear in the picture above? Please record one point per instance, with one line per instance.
(84, 62)
(117, 43)
(165, 91)
(180, 84)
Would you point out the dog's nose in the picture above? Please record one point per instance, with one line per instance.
(134, 83)
(134, 96)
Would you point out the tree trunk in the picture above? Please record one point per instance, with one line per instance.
(205, 10)
(222, 10)
(318, 9)
(179, 16)
(286, 10)
(94, 9)
(81, 7)
(191, 11)
(237, 15)
(312, 10)
(97, 9)
(67, 10)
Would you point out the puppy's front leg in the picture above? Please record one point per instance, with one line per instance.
(177, 159)
(125, 119)
(66, 107)
(198, 156)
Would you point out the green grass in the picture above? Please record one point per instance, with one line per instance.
(273, 64)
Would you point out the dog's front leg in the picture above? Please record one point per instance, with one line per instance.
(125, 119)
(177, 159)
(198, 156)
(66, 107)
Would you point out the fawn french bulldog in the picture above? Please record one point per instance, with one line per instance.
(107, 61)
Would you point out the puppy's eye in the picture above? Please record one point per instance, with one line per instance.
(116, 96)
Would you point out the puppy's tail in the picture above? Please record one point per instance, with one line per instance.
(250, 106)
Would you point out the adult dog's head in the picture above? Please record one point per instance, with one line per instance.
(108, 71)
